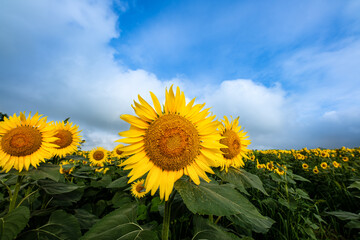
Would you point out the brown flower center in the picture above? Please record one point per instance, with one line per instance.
(21, 141)
(119, 152)
(231, 140)
(140, 188)
(65, 138)
(172, 142)
(98, 155)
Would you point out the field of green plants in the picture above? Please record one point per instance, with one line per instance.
(276, 195)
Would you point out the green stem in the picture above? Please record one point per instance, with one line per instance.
(16, 191)
(8, 189)
(211, 218)
(166, 220)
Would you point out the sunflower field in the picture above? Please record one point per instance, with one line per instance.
(177, 173)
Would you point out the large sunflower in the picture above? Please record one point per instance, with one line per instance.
(98, 156)
(25, 141)
(235, 140)
(68, 138)
(168, 143)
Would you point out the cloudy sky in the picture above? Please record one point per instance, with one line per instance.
(289, 69)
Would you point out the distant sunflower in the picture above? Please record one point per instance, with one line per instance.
(68, 138)
(305, 166)
(323, 165)
(168, 143)
(25, 141)
(336, 164)
(315, 170)
(235, 140)
(98, 156)
(138, 189)
(68, 169)
(117, 152)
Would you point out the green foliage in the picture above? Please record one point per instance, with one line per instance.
(13, 223)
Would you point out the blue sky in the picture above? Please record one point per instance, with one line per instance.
(289, 69)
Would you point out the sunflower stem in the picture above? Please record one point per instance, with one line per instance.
(15, 194)
(166, 220)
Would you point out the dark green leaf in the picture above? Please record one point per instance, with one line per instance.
(13, 222)
(342, 215)
(52, 188)
(353, 224)
(119, 183)
(241, 178)
(85, 219)
(355, 185)
(120, 224)
(299, 178)
(61, 225)
(254, 221)
(103, 182)
(211, 198)
(46, 170)
(203, 229)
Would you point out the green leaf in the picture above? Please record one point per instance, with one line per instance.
(343, 215)
(253, 220)
(45, 170)
(303, 194)
(213, 199)
(353, 224)
(119, 183)
(299, 178)
(103, 182)
(67, 199)
(85, 219)
(61, 225)
(52, 188)
(13, 222)
(203, 229)
(241, 178)
(120, 224)
(355, 185)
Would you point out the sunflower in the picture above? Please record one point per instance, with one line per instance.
(117, 152)
(170, 142)
(323, 165)
(345, 159)
(305, 166)
(98, 156)
(336, 164)
(138, 189)
(25, 141)
(68, 169)
(68, 138)
(316, 170)
(234, 138)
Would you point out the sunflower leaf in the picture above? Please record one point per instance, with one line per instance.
(203, 229)
(61, 225)
(52, 188)
(13, 222)
(241, 178)
(45, 170)
(215, 199)
(120, 224)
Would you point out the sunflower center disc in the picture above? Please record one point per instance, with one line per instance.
(172, 142)
(140, 188)
(65, 138)
(98, 155)
(231, 140)
(21, 141)
(119, 152)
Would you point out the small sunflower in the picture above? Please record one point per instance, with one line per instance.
(138, 189)
(68, 169)
(170, 142)
(25, 141)
(336, 164)
(234, 138)
(98, 156)
(305, 166)
(345, 159)
(324, 165)
(117, 152)
(68, 138)
(315, 170)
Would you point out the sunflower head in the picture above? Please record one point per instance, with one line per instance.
(170, 141)
(315, 170)
(305, 166)
(235, 142)
(66, 167)
(323, 165)
(138, 189)
(117, 152)
(25, 141)
(68, 138)
(98, 156)
(336, 164)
